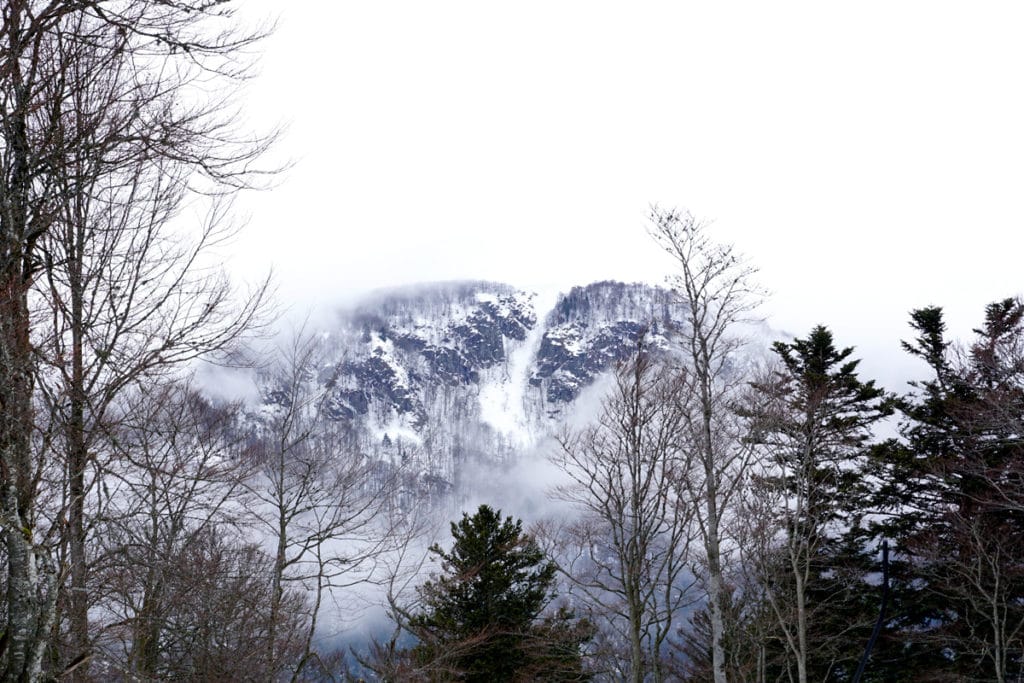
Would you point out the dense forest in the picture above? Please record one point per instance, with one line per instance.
(725, 519)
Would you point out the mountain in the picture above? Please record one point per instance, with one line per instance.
(442, 377)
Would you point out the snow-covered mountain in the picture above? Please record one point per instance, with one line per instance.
(442, 377)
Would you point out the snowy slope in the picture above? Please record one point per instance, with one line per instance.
(444, 377)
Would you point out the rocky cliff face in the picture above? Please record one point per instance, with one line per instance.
(441, 377)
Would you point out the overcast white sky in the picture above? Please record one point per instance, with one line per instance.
(868, 157)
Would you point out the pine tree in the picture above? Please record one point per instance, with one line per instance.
(957, 493)
(811, 420)
(483, 615)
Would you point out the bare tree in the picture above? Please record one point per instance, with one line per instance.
(717, 293)
(403, 570)
(328, 510)
(125, 303)
(218, 590)
(628, 552)
(983, 582)
(94, 132)
(170, 497)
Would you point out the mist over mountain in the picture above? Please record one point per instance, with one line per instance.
(444, 379)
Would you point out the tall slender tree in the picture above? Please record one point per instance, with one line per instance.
(717, 292)
(811, 419)
(90, 93)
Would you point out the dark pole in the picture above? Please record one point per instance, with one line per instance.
(881, 613)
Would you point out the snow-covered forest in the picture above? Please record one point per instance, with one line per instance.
(460, 481)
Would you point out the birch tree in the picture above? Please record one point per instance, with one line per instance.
(717, 293)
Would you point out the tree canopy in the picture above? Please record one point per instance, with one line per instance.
(482, 617)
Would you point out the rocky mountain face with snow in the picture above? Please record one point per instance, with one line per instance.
(441, 377)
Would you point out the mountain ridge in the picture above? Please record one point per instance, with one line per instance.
(444, 376)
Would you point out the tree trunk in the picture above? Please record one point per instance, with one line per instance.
(280, 562)
(801, 631)
(77, 459)
(79, 607)
(716, 590)
(27, 598)
(635, 644)
(716, 581)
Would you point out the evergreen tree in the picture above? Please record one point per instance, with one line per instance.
(957, 489)
(812, 421)
(483, 615)
(910, 493)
